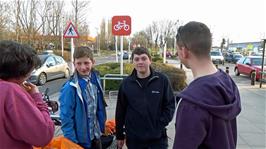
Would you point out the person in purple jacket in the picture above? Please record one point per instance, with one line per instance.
(208, 107)
(24, 116)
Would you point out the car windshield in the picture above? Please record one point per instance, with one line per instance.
(215, 53)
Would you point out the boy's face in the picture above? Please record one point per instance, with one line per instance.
(83, 65)
(141, 63)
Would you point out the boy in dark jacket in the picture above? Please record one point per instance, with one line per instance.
(208, 107)
(145, 106)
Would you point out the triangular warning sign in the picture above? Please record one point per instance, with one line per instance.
(71, 31)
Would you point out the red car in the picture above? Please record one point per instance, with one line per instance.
(248, 64)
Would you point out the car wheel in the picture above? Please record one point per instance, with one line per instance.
(237, 72)
(67, 73)
(42, 79)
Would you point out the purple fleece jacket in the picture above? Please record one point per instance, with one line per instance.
(206, 114)
(24, 118)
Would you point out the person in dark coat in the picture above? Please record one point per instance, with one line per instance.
(145, 106)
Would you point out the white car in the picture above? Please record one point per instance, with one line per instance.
(217, 57)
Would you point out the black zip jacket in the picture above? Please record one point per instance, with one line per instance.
(143, 112)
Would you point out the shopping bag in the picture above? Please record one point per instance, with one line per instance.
(60, 142)
(109, 127)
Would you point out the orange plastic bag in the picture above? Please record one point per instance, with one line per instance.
(60, 142)
(109, 127)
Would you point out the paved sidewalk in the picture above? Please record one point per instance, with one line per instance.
(251, 122)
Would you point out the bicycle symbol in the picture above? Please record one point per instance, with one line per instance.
(121, 25)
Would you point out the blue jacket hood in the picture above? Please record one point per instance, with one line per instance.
(216, 93)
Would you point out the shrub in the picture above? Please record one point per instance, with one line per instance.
(157, 58)
(176, 76)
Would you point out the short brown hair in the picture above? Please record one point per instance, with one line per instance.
(139, 51)
(83, 52)
(196, 37)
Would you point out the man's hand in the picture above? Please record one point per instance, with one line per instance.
(120, 144)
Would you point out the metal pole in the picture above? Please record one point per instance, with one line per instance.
(121, 55)
(72, 52)
(227, 70)
(128, 50)
(116, 56)
(62, 42)
(72, 49)
(262, 65)
(164, 53)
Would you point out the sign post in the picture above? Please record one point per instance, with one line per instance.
(116, 53)
(121, 26)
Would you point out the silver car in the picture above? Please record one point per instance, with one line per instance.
(52, 67)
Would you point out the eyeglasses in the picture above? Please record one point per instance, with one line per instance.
(179, 37)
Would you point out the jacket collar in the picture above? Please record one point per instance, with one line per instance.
(153, 74)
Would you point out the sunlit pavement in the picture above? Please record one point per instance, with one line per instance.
(251, 122)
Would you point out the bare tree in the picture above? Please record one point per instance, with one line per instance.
(53, 16)
(4, 18)
(160, 32)
(80, 7)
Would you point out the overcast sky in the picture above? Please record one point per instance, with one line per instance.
(238, 20)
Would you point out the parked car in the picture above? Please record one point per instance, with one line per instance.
(236, 57)
(232, 58)
(249, 64)
(217, 57)
(52, 67)
(126, 54)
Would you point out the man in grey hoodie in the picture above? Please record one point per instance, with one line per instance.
(208, 107)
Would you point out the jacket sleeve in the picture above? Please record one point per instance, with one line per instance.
(120, 113)
(168, 105)
(28, 118)
(67, 108)
(192, 124)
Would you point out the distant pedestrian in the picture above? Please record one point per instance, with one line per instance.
(208, 107)
(145, 106)
(24, 116)
(82, 104)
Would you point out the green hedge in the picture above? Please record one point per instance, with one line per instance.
(176, 76)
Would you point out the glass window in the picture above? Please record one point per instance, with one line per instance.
(247, 61)
(241, 61)
(59, 60)
(215, 53)
(257, 61)
(50, 61)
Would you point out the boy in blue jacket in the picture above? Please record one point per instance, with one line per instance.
(82, 104)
